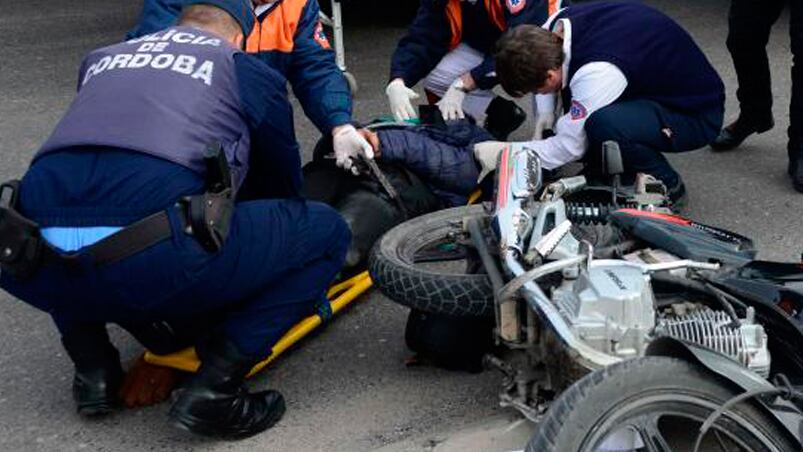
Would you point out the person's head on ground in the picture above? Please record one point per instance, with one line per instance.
(529, 59)
(231, 19)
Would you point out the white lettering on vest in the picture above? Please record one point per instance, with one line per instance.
(140, 60)
(120, 60)
(89, 73)
(168, 34)
(183, 38)
(102, 65)
(162, 61)
(205, 72)
(184, 64)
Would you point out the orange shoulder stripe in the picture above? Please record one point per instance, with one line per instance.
(496, 12)
(455, 16)
(277, 30)
(554, 6)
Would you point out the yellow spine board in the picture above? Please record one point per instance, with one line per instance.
(342, 295)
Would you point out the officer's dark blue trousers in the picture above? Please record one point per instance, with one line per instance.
(274, 268)
(644, 130)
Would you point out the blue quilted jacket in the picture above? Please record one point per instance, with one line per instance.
(442, 157)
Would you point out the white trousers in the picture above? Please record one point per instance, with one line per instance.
(456, 63)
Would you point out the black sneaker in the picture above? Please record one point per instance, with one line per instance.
(503, 117)
(736, 132)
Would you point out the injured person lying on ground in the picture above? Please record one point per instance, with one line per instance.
(428, 167)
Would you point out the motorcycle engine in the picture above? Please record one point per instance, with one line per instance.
(611, 307)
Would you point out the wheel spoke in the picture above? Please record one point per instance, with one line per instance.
(647, 427)
(720, 441)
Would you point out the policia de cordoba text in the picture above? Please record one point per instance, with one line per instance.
(182, 64)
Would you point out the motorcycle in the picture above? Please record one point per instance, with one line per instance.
(619, 324)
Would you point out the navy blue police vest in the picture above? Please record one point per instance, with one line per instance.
(658, 57)
(169, 94)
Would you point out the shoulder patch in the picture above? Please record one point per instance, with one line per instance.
(577, 111)
(320, 36)
(514, 6)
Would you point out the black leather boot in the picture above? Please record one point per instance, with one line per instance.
(736, 132)
(98, 374)
(503, 116)
(214, 402)
(796, 169)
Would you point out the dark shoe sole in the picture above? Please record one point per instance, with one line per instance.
(202, 427)
(735, 144)
(97, 409)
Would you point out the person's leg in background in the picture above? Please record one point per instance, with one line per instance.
(500, 116)
(749, 26)
(644, 130)
(795, 146)
(456, 63)
(156, 15)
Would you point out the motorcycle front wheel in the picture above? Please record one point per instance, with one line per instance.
(654, 404)
(426, 263)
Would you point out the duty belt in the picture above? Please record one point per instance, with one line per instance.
(206, 217)
(122, 244)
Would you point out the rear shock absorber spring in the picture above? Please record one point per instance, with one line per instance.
(591, 212)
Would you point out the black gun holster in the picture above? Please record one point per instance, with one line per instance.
(209, 218)
(209, 215)
(20, 240)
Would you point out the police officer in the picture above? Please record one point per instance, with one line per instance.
(289, 37)
(749, 25)
(627, 73)
(132, 211)
(450, 45)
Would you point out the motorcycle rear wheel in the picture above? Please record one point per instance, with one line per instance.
(397, 266)
(653, 404)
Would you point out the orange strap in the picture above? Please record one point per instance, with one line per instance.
(554, 6)
(455, 16)
(277, 30)
(496, 12)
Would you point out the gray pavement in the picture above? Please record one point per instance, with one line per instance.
(347, 388)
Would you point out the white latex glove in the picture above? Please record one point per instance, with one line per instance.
(487, 155)
(451, 105)
(399, 97)
(543, 121)
(348, 144)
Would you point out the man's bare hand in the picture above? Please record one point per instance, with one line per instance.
(146, 384)
(373, 140)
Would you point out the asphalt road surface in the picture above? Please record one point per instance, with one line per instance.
(347, 388)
